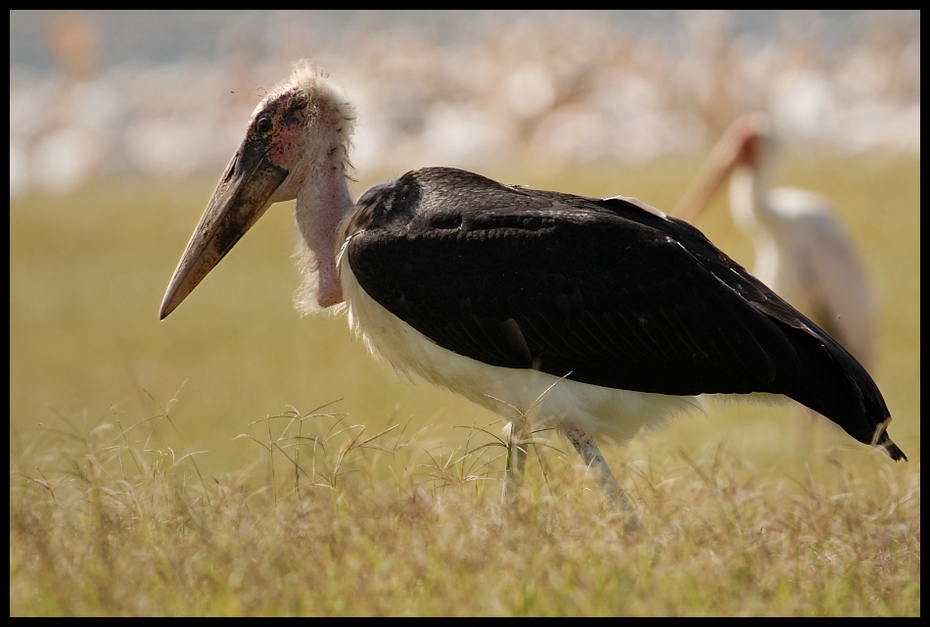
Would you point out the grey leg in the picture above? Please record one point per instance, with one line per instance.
(593, 459)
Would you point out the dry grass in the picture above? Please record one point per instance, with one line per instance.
(161, 468)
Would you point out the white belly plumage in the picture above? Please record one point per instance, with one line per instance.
(543, 398)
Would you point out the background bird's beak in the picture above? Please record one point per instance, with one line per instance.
(710, 179)
(241, 197)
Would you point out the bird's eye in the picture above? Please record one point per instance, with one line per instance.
(264, 124)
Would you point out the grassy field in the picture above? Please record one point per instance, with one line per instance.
(237, 459)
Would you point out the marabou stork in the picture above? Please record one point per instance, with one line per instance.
(801, 250)
(590, 316)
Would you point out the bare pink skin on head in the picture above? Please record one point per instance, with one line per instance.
(295, 147)
(287, 117)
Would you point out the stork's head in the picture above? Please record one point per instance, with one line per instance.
(748, 143)
(300, 129)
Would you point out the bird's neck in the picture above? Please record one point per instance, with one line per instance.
(322, 202)
(748, 190)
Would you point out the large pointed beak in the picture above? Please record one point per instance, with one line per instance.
(241, 197)
(717, 169)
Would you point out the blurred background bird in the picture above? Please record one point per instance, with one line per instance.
(801, 249)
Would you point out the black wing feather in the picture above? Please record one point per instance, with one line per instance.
(570, 286)
(604, 292)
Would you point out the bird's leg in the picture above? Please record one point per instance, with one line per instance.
(516, 457)
(593, 459)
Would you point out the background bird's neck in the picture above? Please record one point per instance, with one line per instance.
(749, 188)
(322, 203)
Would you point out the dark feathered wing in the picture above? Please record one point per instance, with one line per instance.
(602, 291)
